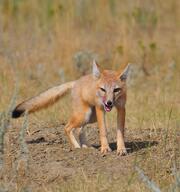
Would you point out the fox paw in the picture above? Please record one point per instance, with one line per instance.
(105, 150)
(85, 146)
(122, 151)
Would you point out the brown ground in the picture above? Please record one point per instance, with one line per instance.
(51, 163)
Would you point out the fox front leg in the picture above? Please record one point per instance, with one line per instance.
(121, 149)
(102, 130)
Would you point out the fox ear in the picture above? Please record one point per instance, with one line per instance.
(124, 74)
(96, 71)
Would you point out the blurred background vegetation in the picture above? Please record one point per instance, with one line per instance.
(46, 42)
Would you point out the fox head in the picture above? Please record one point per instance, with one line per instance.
(111, 85)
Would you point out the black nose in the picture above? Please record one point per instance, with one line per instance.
(109, 103)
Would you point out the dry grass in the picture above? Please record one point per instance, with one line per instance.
(39, 45)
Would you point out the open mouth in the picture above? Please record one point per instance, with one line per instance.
(108, 107)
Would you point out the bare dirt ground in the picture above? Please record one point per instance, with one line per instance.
(51, 163)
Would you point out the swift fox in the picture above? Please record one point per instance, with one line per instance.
(92, 96)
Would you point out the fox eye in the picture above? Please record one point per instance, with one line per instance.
(102, 89)
(117, 90)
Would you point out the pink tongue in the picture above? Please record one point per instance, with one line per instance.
(107, 109)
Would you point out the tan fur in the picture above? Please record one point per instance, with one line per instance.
(92, 96)
(45, 99)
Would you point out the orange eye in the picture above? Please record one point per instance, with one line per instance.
(117, 90)
(102, 89)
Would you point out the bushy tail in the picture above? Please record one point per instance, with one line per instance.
(42, 100)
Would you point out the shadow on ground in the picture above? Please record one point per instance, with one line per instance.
(38, 140)
(132, 146)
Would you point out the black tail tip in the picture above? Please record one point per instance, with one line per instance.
(17, 113)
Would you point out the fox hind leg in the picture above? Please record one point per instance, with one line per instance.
(78, 120)
(82, 137)
(69, 132)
